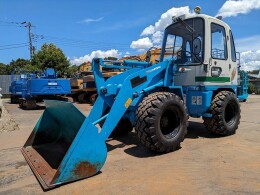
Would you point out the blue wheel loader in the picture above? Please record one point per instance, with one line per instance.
(196, 76)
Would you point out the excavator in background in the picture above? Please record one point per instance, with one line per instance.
(83, 86)
(152, 55)
(76, 82)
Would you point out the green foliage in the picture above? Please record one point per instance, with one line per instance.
(253, 72)
(19, 64)
(3, 69)
(72, 71)
(51, 57)
(110, 58)
(251, 88)
(30, 67)
(258, 91)
(48, 57)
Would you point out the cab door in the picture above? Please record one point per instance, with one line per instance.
(219, 66)
(233, 60)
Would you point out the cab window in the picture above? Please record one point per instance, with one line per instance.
(233, 49)
(218, 42)
(184, 41)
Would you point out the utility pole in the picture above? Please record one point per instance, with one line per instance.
(31, 47)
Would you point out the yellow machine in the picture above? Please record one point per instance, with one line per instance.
(83, 87)
(89, 87)
(86, 67)
(76, 84)
(152, 55)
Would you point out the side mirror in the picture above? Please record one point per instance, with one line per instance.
(196, 46)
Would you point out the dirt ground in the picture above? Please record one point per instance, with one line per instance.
(204, 165)
(7, 122)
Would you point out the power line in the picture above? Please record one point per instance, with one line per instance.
(6, 48)
(85, 41)
(26, 25)
(14, 24)
(13, 44)
(61, 41)
(67, 42)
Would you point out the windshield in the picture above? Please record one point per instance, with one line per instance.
(184, 40)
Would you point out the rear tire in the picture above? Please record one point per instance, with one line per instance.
(226, 111)
(82, 98)
(161, 121)
(28, 104)
(14, 100)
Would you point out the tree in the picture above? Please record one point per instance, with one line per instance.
(72, 71)
(251, 88)
(51, 57)
(253, 72)
(17, 65)
(3, 69)
(110, 58)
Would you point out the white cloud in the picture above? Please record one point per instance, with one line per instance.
(165, 20)
(148, 30)
(157, 37)
(126, 54)
(250, 60)
(143, 43)
(248, 43)
(88, 20)
(233, 7)
(249, 48)
(95, 54)
(154, 33)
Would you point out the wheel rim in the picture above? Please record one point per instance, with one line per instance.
(231, 113)
(170, 122)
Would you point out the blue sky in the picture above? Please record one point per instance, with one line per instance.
(82, 28)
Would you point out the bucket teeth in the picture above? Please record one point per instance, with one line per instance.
(42, 170)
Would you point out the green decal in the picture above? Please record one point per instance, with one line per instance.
(212, 79)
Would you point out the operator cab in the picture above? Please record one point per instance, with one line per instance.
(203, 47)
(184, 40)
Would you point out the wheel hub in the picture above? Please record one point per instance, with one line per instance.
(169, 123)
(164, 121)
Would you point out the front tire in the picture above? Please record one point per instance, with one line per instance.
(226, 111)
(161, 122)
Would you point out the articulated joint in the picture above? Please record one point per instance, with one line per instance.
(135, 95)
(103, 90)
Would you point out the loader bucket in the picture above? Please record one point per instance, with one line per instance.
(64, 146)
